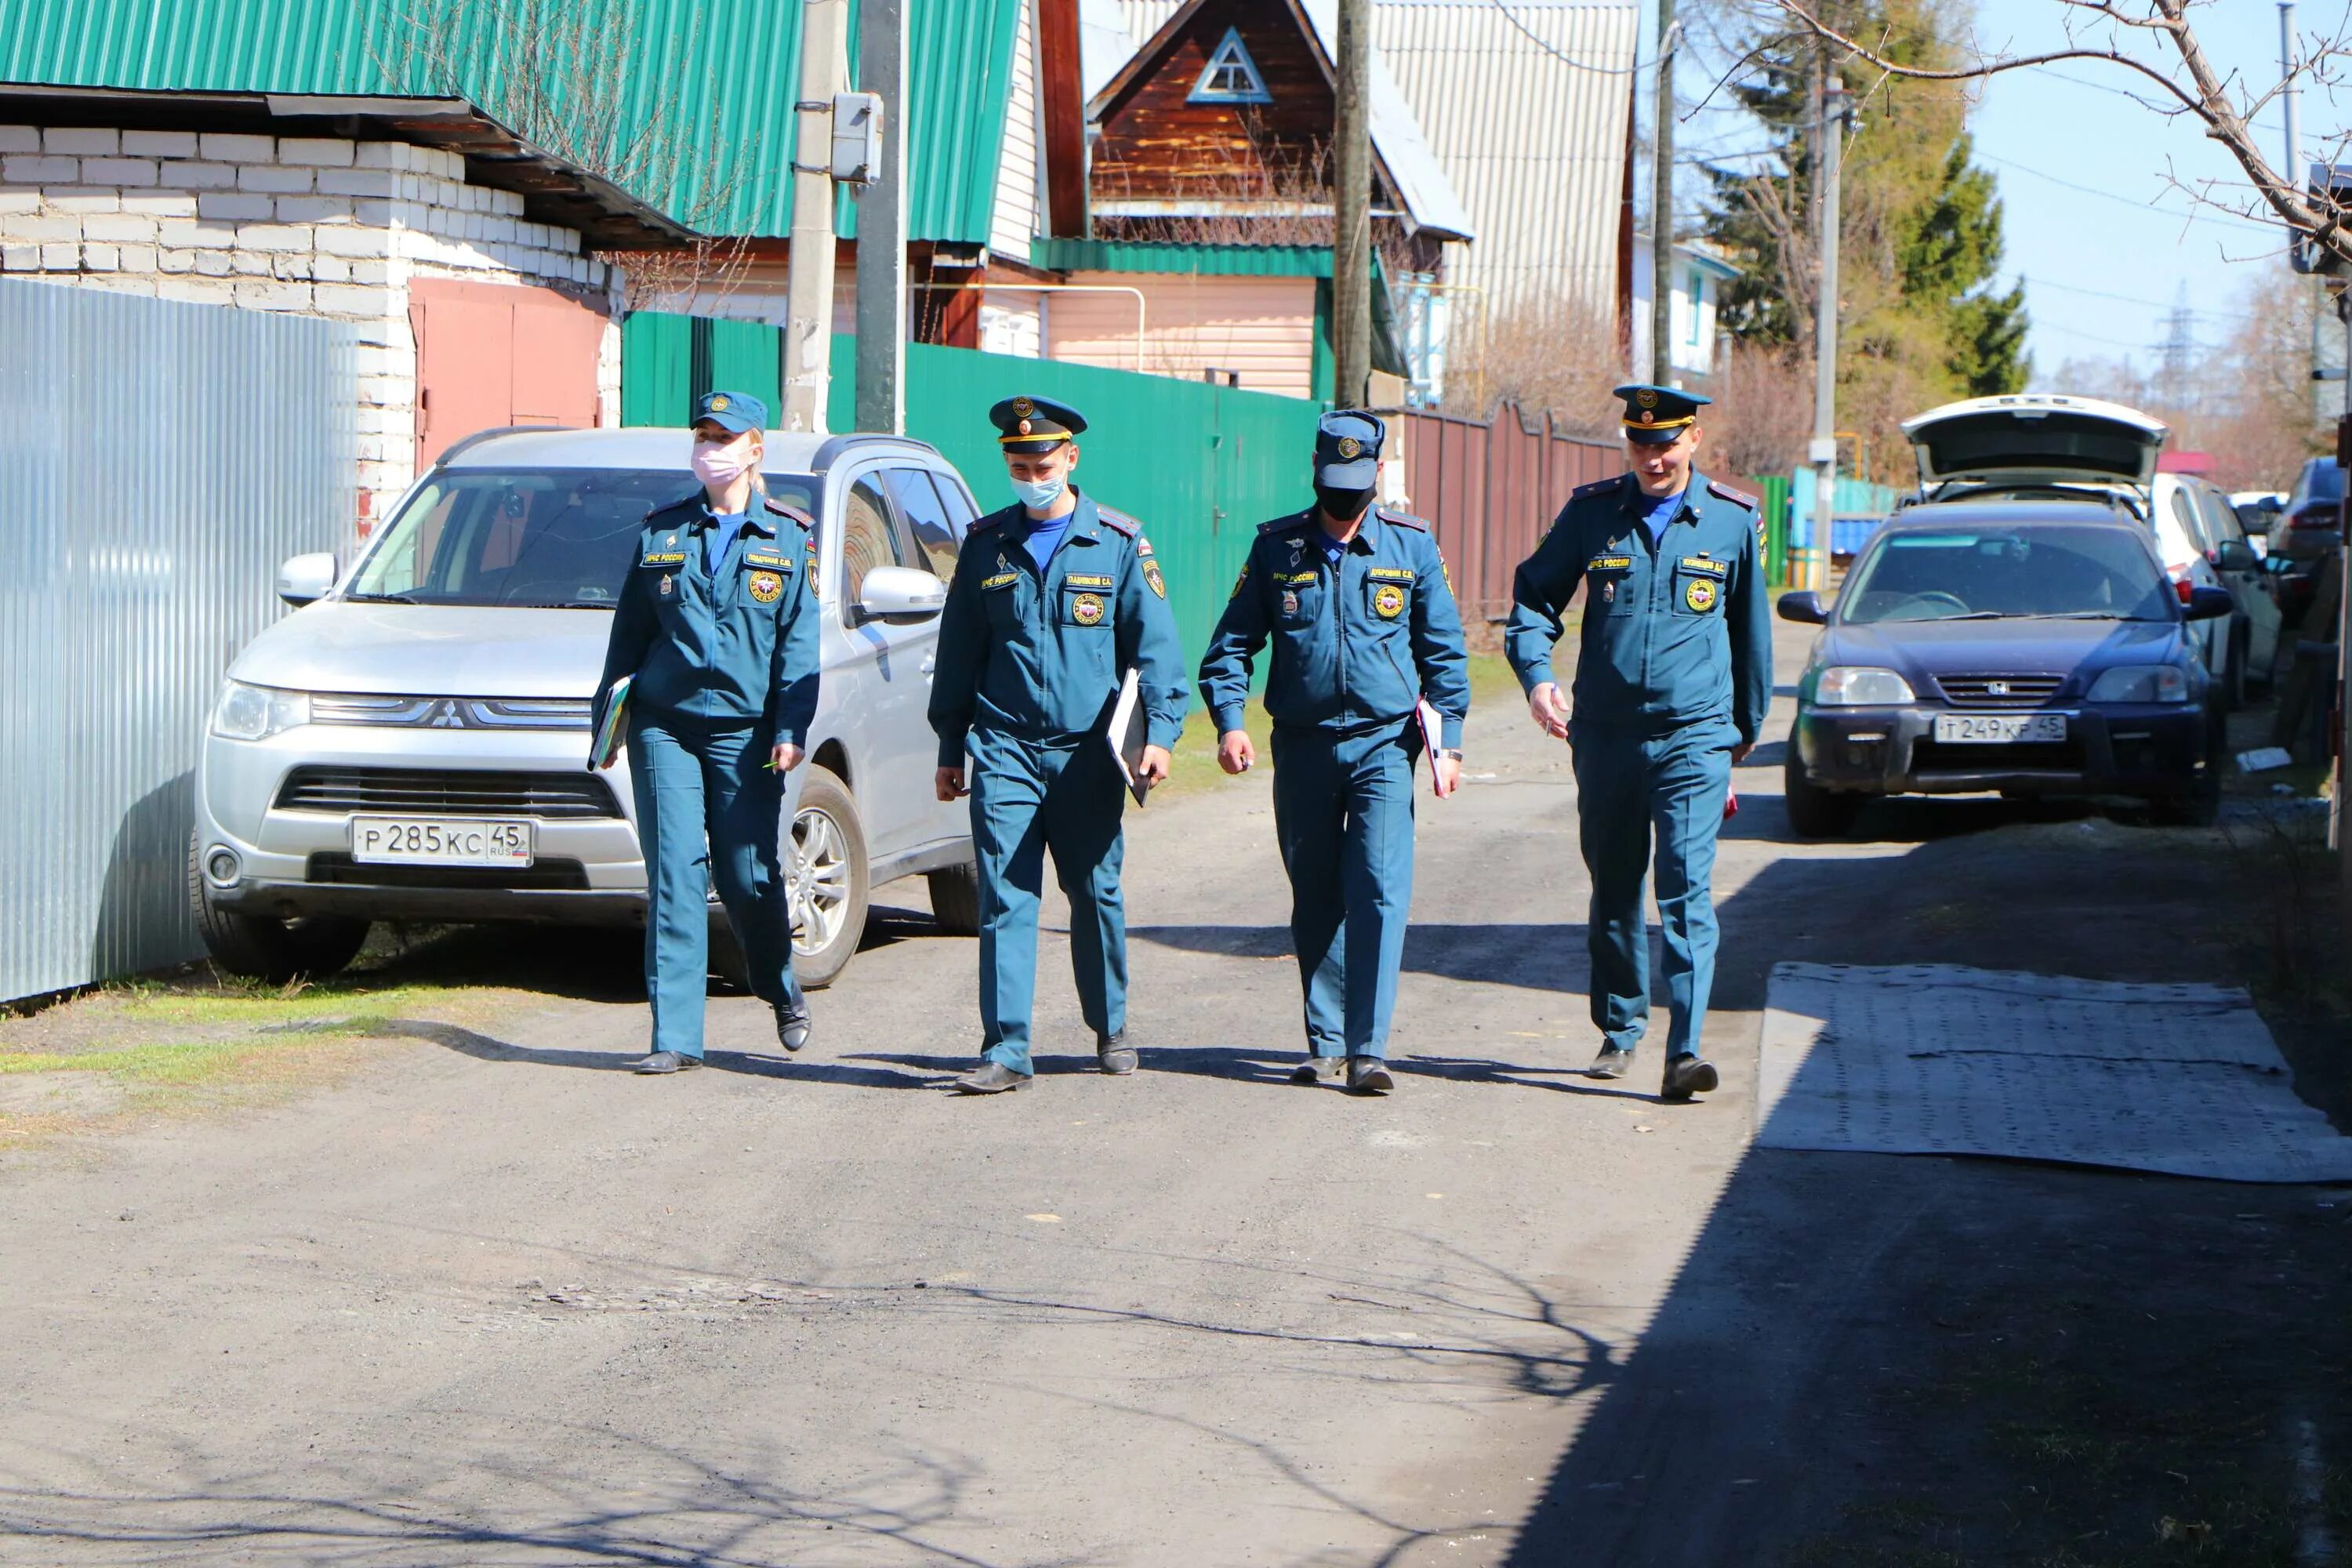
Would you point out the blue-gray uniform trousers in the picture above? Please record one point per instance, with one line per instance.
(1029, 797)
(1343, 818)
(1634, 789)
(710, 812)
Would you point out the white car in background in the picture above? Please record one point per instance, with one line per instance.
(2051, 447)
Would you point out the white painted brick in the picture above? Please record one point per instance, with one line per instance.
(60, 257)
(378, 329)
(290, 269)
(19, 202)
(25, 169)
(117, 171)
(20, 257)
(139, 258)
(407, 187)
(330, 269)
(360, 181)
(501, 229)
(161, 204)
(19, 138)
(118, 229)
(274, 235)
(313, 209)
(508, 202)
(159, 143)
(195, 290)
(198, 176)
(257, 296)
(448, 165)
(231, 206)
(249, 263)
(324, 151)
(385, 390)
(369, 448)
(215, 263)
(104, 142)
(336, 240)
(383, 155)
(124, 283)
(40, 225)
(196, 233)
(376, 272)
(378, 215)
(82, 199)
(172, 259)
(276, 178)
(232, 148)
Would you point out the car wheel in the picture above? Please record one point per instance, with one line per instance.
(1814, 811)
(955, 900)
(826, 878)
(262, 947)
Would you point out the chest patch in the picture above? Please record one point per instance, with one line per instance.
(1074, 581)
(766, 561)
(1002, 579)
(1699, 594)
(1702, 564)
(1389, 573)
(1295, 579)
(1387, 601)
(662, 558)
(1086, 609)
(767, 587)
(1609, 563)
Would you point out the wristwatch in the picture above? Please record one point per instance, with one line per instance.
(1450, 753)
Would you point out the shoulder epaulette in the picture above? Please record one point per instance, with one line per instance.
(1118, 520)
(654, 511)
(1403, 519)
(782, 509)
(1594, 488)
(1716, 486)
(993, 518)
(1277, 524)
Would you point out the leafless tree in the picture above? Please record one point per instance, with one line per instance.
(569, 75)
(2183, 81)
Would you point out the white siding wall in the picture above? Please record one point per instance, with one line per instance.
(1019, 177)
(1262, 327)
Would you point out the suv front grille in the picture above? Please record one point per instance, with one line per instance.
(451, 712)
(1999, 691)
(544, 876)
(451, 791)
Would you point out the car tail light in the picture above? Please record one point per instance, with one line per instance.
(2314, 517)
(2182, 586)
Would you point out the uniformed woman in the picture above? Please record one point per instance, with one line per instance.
(717, 633)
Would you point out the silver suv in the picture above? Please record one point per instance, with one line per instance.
(412, 742)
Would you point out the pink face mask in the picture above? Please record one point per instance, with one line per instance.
(719, 465)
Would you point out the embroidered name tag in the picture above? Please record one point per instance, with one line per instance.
(1389, 573)
(662, 558)
(1074, 581)
(1701, 564)
(1002, 579)
(766, 561)
(1294, 579)
(1609, 563)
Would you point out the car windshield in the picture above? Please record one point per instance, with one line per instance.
(2323, 480)
(527, 538)
(1987, 573)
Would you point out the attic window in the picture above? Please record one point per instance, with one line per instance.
(1231, 76)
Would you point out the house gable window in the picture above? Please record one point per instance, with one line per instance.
(1231, 76)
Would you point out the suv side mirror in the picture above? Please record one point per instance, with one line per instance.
(305, 579)
(2206, 603)
(2235, 555)
(900, 596)
(1805, 607)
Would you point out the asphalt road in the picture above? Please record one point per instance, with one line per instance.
(497, 1302)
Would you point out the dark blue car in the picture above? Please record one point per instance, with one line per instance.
(2032, 647)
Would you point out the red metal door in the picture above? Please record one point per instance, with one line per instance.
(492, 355)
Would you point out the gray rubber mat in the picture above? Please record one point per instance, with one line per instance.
(1940, 1060)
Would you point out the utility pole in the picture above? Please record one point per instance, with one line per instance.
(1814, 569)
(808, 307)
(882, 226)
(1351, 236)
(1662, 206)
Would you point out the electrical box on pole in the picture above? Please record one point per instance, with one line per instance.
(857, 138)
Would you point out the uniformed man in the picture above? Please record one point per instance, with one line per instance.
(1357, 606)
(1673, 678)
(1055, 598)
(717, 629)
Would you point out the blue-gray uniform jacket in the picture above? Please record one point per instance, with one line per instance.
(1674, 633)
(1040, 655)
(1354, 647)
(738, 646)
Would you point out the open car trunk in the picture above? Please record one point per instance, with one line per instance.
(2032, 439)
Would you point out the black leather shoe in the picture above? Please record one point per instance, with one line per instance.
(1612, 1062)
(1319, 1069)
(792, 1029)
(1687, 1076)
(1369, 1075)
(991, 1078)
(1117, 1056)
(666, 1061)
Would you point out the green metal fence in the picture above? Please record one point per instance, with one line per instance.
(1774, 492)
(1199, 466)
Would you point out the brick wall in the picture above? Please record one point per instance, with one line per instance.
(320, 226)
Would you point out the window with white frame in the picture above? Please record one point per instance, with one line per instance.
(1231, 76)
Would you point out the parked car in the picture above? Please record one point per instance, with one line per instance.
(2239, 565)
(2311, 527)
(2028, 647)
(443, 683)
(2051, 447)
(2258, 513)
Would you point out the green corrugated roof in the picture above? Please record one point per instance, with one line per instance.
(729, 72)
(1220, 260)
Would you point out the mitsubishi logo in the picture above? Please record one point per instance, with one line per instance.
(445, 716)
(1995, 688)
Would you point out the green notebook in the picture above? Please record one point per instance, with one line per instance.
(613, 734)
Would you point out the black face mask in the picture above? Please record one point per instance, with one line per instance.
(1344, 505)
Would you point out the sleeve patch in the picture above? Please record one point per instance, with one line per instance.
(1241, 582)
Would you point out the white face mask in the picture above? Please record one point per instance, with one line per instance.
(720, 464)
(1039, 494)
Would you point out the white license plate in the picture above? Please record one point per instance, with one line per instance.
(2000, 729)
(440, 841)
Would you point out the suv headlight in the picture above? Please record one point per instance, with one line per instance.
(2141, 683)
(1860, 685)
(257, 712)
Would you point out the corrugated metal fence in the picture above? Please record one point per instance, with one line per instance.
(157, 461)
(1490, 488)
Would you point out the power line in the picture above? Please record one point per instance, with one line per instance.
(2126, 201)
(1548, 47)
(2128, 298)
